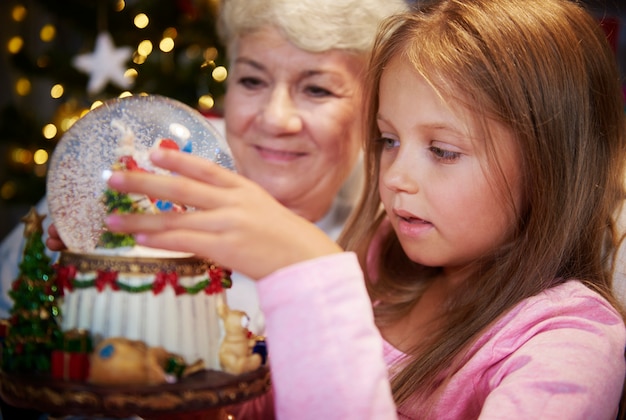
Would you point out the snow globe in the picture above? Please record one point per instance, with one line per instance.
(120, 129)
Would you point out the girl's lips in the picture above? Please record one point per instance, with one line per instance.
(403, 214)
(278, 155)
(414, 220)
(409, 225)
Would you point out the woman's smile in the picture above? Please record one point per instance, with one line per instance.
(278, 155)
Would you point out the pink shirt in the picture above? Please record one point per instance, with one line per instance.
(556, 355)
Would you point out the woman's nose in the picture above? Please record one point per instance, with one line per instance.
(281, 114)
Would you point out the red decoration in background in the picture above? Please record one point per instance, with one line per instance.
(188, 8)
(611, 25)
(16, 284)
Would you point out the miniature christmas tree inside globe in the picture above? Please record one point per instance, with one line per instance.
(119, 135)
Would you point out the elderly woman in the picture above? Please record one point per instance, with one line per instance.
(293, 105)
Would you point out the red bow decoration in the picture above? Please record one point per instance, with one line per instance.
(65, 277)
(163, 279)
(179, 289)
(216, 275)
(106, 277)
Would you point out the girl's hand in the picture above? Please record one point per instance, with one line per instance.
(236, 223)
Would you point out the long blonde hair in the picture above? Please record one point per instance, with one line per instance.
(543, 69)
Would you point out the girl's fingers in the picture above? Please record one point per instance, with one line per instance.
(194, 167)
(214, 221)
(167, 187)
(197, 182)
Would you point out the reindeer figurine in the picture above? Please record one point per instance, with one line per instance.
(235, 353)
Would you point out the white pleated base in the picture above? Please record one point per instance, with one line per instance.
(187, 325)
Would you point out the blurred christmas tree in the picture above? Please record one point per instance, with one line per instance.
(34, 331)
(166, 47)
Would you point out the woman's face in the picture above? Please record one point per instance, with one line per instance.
(293, 119)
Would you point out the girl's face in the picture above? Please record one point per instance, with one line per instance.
(293, 119)
(443, 202)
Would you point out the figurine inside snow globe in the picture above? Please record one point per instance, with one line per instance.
(119, 135)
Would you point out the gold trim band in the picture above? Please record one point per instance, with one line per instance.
(187, 266)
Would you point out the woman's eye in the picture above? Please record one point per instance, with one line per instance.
(250, 82)
(318, 92)
(444, 155)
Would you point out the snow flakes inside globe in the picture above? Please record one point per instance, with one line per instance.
(120, 132)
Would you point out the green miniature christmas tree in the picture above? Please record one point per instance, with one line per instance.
(34, 330)
(116, 202)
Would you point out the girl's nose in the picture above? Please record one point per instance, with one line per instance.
(281, 115)
(400, 175)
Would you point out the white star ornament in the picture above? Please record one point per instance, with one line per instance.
(105, 64)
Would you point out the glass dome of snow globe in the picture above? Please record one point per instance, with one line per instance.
(120, 130)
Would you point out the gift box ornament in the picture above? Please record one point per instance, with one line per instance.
(71, 362)
(77, 341)
(70, 366)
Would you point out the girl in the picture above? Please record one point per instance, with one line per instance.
(494, 168)
(500, 183)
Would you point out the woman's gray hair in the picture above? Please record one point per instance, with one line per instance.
(311, 25)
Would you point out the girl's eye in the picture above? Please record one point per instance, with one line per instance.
(388, 143)
(444, 155)
(250, 82)
(318, 92)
